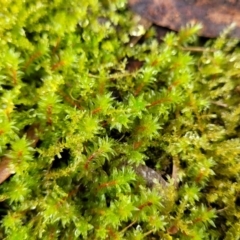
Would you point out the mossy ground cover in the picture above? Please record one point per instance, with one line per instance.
(75, 122)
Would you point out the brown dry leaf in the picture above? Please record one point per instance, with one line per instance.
(133, 65)
(215, 16)
(5, 171)
(32, 134)
(173, 230)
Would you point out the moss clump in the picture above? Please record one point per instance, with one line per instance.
(75, 124)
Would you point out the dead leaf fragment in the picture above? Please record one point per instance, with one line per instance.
(150, 175)
(142, 25)
(5, 170)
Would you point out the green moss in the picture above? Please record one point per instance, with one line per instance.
(75, 124)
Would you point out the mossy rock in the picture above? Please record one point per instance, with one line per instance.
(75, 124)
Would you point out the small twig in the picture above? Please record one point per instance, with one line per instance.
(126, 228)
(222, 210)
(120, 75)
(197, 49)
(175, 171)
(220, 104)
(174, 175)
(147, 233)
